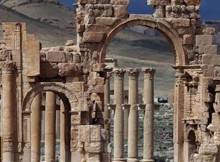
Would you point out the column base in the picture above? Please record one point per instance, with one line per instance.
(118, 160)
(147, 160)
(132, 160)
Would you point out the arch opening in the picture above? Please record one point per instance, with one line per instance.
(160, 25)
(49, 132)
(146, 48)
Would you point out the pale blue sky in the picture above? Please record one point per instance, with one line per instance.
(210, 9)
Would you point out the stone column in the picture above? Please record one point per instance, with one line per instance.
(148, 154)
(133, 116)
(106, 102)
(63, 151)
(36, 128)
(43, 125)
(8, 109)
(50, 127)
(57, 124)
(118, 116)
(178, 126)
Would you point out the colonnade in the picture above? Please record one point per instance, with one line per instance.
(132, 108)
(48, 125)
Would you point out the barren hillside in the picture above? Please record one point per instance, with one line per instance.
(48, 33)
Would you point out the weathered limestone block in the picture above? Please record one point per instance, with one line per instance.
(93, 37)
(188, 39)
(83, 102)
(120, 2)
(121, 11)
(183, 31)
(217, 72)
(55, 57)
(87, 1)
(94, 28)
(158, 2)
(96, 85)
(103, 1)
(78, 87)
(207, 149)
(109, 21)
(217, 137)
(93, 147)
(179, 22)
(202, 40)
(69, 69)
(192, 2)
(208, 152)
(208, 59)
(90, 133)
(48, 70)
(210, 49)
(68, 57)
(98, 67)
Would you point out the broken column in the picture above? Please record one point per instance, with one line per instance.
(36, 128)
(118, 116)
(148, 154)
(8, 109)
(133, 115)
(50, 127)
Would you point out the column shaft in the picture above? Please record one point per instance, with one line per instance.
(106, 102)
(8, 108)
(50, 127)
(133, 116)
(118, 116)
(148, 154)
(62, 133)
(36, 129)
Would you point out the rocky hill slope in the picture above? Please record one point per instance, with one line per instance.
(46, 26)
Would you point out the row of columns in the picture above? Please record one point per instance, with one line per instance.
(50, 129)
(118, 133)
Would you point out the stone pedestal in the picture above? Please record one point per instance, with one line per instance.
(36, 128)
(50, 127)
(148, 154)
(133, 116)
(8, 110)
(118, 116)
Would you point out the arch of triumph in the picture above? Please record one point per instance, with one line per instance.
(69, 86)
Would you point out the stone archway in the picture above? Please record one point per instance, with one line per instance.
(63, 92)
(160, 25)
(33, 114)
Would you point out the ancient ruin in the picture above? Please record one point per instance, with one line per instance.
(66, 89)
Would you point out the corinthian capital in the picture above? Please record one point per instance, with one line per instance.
(9, 67)
(119, 72)
(148, 73)
(133, 73)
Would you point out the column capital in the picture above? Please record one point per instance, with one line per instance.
(118, 72)
(148, 72)
(9, 67)
(133, 73)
